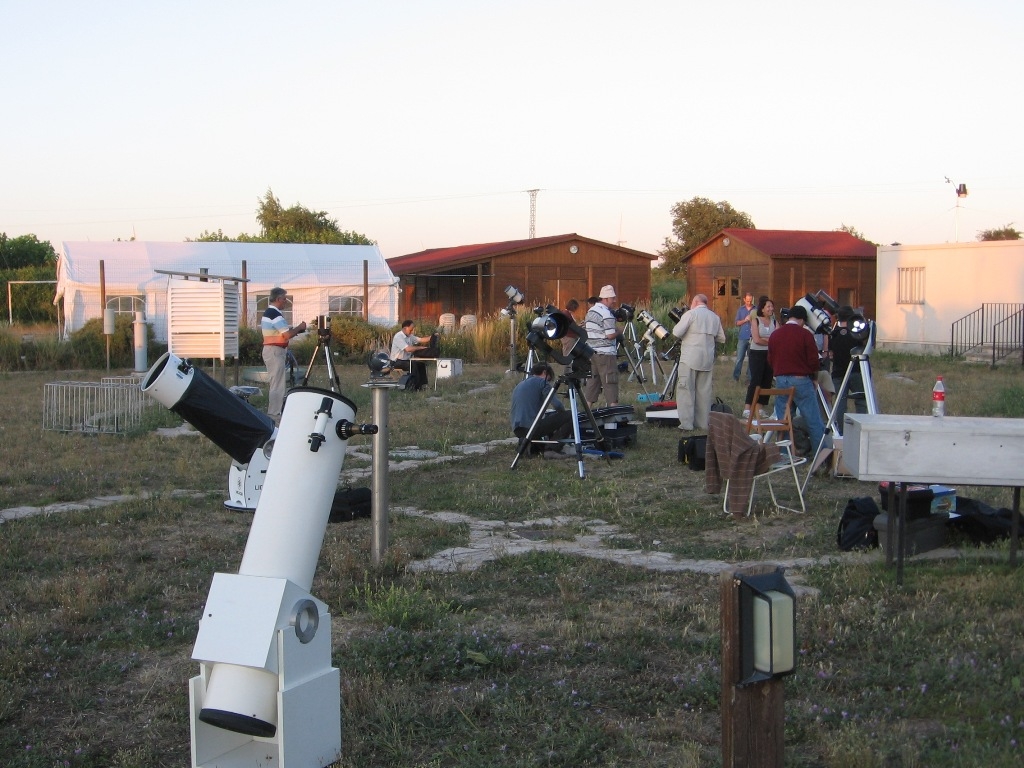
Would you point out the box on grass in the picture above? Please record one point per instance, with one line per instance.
(447, 367)
(922, 500)
(921, 535)
(663, 414)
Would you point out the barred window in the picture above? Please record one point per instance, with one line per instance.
(911, 285)
(126, 305)
(345, 305)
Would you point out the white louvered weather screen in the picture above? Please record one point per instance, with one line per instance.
(202, 318)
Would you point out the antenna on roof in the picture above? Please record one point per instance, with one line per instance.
(533, 212)
(961, 192)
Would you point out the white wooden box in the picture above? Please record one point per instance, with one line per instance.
(448, 367)
(926, 449)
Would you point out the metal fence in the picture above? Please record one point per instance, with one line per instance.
(114, 405)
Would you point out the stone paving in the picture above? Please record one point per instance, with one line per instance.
(488, 539)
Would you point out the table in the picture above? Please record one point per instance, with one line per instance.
(927, 449)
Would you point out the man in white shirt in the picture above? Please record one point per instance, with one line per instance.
(602, 337)
(698, 331)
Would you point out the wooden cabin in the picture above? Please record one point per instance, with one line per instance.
(471, 279)
(784, 265)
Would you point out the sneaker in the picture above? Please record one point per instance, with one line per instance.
(746, 413)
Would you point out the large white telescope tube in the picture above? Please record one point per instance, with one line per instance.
(285, 540)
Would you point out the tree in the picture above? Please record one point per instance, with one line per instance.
(1005, 233)
(291, 225)
(25, 251)
(694, 222)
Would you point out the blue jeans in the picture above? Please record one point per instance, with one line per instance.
(741, 352)
(806, 399)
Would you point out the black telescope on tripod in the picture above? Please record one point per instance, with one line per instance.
(553, 325)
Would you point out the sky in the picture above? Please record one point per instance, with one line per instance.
(424, 123)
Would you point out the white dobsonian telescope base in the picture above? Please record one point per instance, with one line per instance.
(266, 694)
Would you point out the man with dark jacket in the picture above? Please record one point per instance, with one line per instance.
(793, 356)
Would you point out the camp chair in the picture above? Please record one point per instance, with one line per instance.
(765, 431)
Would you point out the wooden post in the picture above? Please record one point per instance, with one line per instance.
(103, 308)
(366, 290)
(244, 319)
(753, 716)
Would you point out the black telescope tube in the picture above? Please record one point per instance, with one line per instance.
(235, 426)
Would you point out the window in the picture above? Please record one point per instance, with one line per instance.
(911, 285)
(345, 305)
(263, 301)
(126, 305)
(734, 287)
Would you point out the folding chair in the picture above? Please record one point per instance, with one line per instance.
(764, 430)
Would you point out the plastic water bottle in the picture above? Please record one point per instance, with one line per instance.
(939, 398)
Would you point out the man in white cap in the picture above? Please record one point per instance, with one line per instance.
(698, 331)
(602, 336)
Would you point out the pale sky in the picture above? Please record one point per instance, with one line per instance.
(423, 124)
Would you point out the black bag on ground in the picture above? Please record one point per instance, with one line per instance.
(350, 504)
(857, 525)
(981, 523)
(721, 406)
(693, 451)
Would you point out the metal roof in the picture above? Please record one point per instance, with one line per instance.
(800, 243)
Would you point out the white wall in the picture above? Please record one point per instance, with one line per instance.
(958, 279)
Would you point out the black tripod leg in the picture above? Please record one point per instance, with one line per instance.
(309, 368)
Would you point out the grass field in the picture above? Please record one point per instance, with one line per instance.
(537, 659)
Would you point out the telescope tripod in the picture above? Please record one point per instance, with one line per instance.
(634, 355)
(571, 383)
(332, 374)
(863, 363)
(669, 392)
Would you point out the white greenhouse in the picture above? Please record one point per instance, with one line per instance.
(134, 276)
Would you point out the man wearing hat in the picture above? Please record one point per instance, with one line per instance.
(698, 331)
(276, 335)
(793, 356)
(602, 336)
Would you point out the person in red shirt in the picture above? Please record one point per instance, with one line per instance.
(793, 356)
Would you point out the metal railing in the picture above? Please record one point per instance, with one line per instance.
(110, 406)
(977, 328)
(1008, 337)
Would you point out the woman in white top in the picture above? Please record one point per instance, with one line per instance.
(762, 323)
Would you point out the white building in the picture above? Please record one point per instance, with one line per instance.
(923, 290)
(320, 279)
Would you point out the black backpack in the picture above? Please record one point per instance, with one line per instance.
(857, 525)
(693, 451)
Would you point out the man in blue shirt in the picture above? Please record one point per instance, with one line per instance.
(527, 399)
(744, 317)
(276, 335)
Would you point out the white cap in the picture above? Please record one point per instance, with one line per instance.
(607, 292)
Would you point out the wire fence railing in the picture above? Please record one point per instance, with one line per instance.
(114, 405)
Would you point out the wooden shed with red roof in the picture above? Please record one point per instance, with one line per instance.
(471, 279)
(784, 265)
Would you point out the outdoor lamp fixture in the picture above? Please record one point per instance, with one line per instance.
(767, 627)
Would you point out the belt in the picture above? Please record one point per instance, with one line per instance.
(282, 346)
